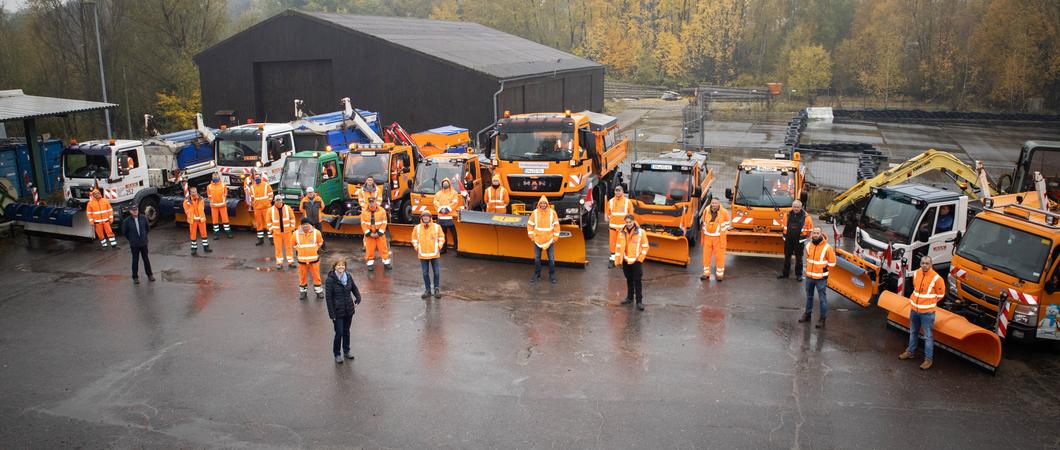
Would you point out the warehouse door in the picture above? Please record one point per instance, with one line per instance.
(278, 83)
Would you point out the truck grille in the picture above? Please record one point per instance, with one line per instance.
(539, 183)
(979, 294)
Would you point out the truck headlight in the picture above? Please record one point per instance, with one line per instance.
(1025, 314)
(952, 285)
(572, 210)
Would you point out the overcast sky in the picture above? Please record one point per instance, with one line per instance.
(13, 5)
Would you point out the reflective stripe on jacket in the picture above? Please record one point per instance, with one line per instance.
(195, 210)
(217, 192)
(819, 257)
(427, 240)
(274, 219)
(99, 211)
(632, 245)
(717, 226)
(928, 289)
(307, 245)
(543, 227)
(617, 210)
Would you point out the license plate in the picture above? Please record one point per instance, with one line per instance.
(534, 171)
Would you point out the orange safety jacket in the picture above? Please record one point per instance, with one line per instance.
(427, 240)
(928, 289)
(307, 245)
(496, 199)
(717, 226)
(819, 257)
(274, 220)
(195, 210)
(617, 209)
(446, 198)
(632, 245)
(362, 196)
(372, 221)
(543, 227)
(217, 192)
(99, 211)
(807, 225)
(261, 194)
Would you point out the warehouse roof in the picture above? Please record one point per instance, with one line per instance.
(15, 105)
(464, 44)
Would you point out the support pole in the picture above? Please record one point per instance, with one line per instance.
(36, 155)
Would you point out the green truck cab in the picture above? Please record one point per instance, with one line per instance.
(320, 170)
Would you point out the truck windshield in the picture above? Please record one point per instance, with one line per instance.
(81, 165)
(1005, 249)
(299, 173)
(540, 145)
(238, 153)
(360, 166)
(429, 176)
(765, 189)
(890, 217)
(659, 187)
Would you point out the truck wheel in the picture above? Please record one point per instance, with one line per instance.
(404, 212)
(590, 221)
(336, 208)
(692, 233)
(149, 208)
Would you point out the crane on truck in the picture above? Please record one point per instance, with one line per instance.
(764, 192)
(669, 193)
(846, 207)
(336, 129)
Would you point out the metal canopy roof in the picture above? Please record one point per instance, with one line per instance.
(15, 105)
(463, 44)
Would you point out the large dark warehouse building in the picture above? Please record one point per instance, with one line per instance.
(421, 73)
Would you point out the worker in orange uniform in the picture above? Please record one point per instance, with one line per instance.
(281, 226)
(615, 212)
(307, 241)
(101, 216)
(630, 251)
(795, 226)
(428, 239)
(820, 257)
(543, 229)
(928, 290)
(311, 207)
(260, 194)
(716, 224)
(373, 224)
(447, 202)
(370, 189)
(497, 197)
(217, 193)
(195, 211)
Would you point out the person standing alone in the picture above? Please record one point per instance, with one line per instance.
(630, 251)
(716, 223)
(342, 298)
(819, 258)
(928, 290)
(428, 240)
(135, 229)
(543, 228)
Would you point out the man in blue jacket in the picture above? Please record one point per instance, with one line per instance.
(135, 228)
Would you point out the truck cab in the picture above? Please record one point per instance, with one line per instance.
(912, 220)
(320, 170)
(467, 172)
(263, 146)
(1010, 252)
(571, 158)
(669, 192)
(1035, 156)
(393, 168)
(763, 193)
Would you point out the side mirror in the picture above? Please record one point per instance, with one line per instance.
(406, 170)
(728, 194)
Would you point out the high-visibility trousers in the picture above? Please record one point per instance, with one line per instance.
(103, 231)
(196, 228)
(219, 212)
(283, 240)
(259, 221)
(307, 269)
(373, 244)
(612, 239)
(714, 246)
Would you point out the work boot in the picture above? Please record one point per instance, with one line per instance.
(279, 267)
(114, 246)
(552, 278)
(534, 278)
(805, 317)
(925, 365)
(349, 355)
(194, 252)
(627, 301)
(290, 264)
(371, 267)
(207, 249)
(216, 235)
(437, 293)
(150, 278)
(260, 241)
(136, 281)
(704, 277)
(906, 355)
(820, 323)
(640, 306)
(719, 279)
(799, 278)
(426, 294)
(338, 359)
(228, 233)
(781, 276)
(302, 295)
(388, 267)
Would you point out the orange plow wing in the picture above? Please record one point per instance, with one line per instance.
(504, 236)
(951, 331)
(667, 248)
(853, 278)
(751, 243)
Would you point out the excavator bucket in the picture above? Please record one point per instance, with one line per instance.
(504, 236)
(853, 277)
(51, 220)
(951, 332)
(667, 248)
(751, 243)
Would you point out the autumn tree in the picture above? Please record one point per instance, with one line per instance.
(809, 70)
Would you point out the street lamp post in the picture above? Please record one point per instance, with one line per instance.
(99, 53)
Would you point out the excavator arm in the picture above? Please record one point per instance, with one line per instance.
(973, 181)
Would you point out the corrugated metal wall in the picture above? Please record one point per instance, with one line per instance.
(260, 71)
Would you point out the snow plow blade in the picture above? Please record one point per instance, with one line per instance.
(853, 278)
(238, 214)
(952, 332)
(750, 243)
(503, 236)
(52, 220)
(667, 248)
(400, 233)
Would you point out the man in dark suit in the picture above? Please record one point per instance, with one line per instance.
(135, 228)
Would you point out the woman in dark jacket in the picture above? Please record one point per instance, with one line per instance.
(341, 295)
